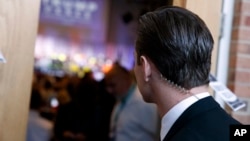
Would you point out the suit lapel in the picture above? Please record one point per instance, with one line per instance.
(191, 113)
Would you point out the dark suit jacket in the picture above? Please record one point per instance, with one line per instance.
(205, 120)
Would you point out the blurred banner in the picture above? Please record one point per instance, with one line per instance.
(72, 12)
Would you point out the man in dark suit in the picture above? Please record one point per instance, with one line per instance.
(172, 66)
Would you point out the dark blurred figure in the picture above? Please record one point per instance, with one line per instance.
(75, 120)
(39, 128)
(104, 105)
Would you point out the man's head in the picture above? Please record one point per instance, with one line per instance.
(118, 81)
(178, 43)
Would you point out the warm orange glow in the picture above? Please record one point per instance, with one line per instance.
(106, 68)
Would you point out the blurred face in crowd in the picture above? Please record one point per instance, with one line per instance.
(117, 82)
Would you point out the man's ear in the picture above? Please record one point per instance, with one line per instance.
(146, 68)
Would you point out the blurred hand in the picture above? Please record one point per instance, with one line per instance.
(74, 137)
(68, 134)
(80, 137)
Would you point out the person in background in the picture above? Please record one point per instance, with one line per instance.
(172, 66)
(104, 105)
(75, 120)
(39, 128)
(132, 119)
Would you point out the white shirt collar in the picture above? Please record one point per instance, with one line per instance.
(175, 112)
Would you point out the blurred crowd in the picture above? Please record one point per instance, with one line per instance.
(69, 108)
(72, 108)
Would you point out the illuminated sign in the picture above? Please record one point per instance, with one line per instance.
(69, 11)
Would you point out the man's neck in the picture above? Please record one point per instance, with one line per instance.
(169, 97)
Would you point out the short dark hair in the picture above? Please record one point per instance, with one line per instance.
(179, 44)
(36, 99)
(118, 69)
